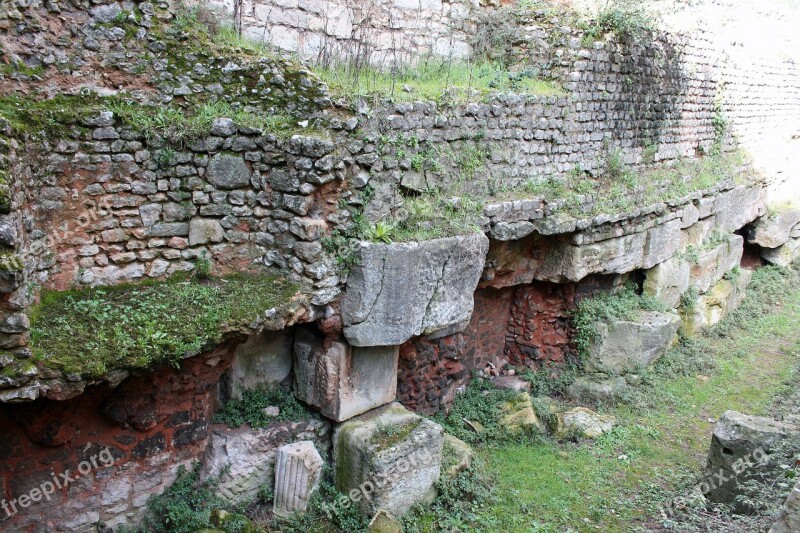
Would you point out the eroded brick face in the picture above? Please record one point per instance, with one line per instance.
(152, 423)
(524, 325)
(431, 370)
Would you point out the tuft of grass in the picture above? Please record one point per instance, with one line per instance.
(89, 332)
(185, 507)
(58, 114)
(480, 402)
(624, 18)
(435, 80)
(249, 409)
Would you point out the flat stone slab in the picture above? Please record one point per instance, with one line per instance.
(403, 290)
(388, 459)
(583, 422)
(628, 346)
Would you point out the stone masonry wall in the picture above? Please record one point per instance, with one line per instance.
(539, 329)
(385, 32)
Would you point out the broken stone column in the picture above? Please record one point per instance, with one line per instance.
(342, 381)
(298, 470)
(741, 449)
(388, 459)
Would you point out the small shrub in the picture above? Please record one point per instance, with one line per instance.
(202, 267)
(250, 408)
(457, 504)
(481, 402)
(624, 18)
(185, 507)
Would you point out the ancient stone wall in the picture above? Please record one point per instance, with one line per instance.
(386, 32)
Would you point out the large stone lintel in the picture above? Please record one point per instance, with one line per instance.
(399, 291)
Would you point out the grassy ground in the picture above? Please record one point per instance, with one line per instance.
(620, 482)
(435, 80)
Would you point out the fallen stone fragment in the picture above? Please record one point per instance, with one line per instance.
(740, 450)
(384, 522)
(584, 423)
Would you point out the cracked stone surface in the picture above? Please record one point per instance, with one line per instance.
(402, 290)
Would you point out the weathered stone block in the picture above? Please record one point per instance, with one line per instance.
(739, 206)
(298, 471)
(228, 171)
(662, 243)
(625, 346)
(775, 229)
(205, 230)
(342, 381)
(583, 422)
(667, 281)
(712, 307)
(264, 358)
(402, 290)
(569, 262)
(388, 459)
(518, 416)
(713, 263)
(740, 450)
(606, 390)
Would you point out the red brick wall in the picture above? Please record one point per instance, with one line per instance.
(150, 423)
(539, 331)
(523, 325)
(431, 370)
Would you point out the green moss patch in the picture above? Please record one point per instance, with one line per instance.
(388, 436)
(90, 332)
